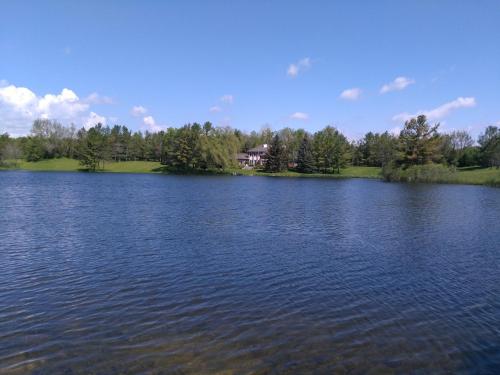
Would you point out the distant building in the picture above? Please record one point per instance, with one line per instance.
(254, 156)
(243, 158)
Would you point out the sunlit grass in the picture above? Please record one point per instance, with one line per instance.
(71, 165)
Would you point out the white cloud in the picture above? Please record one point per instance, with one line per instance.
(19, 106)
(299, 116)
(395, 131)
(93, 119)
(215, 108)
(151, 125)
(3, 83)
(400, 83)
(138, 110)
(228, 99)
(439, 112)
(301, 65)
(95, 98)
(292, 70)
(351, 94)
(64, 106)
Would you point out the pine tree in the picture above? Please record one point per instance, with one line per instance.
(276, 156)
(305, 157)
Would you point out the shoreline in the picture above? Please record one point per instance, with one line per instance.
(466, 176)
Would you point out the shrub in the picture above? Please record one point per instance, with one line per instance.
(420, 173)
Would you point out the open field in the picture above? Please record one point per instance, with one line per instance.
(72, 165)
(478, 176)
(472, 175)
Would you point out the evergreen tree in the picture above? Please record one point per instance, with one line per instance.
(276, 156)
(305, 157)
(419, 142)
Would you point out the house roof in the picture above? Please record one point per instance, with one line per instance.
(241, 156)
(261, 148)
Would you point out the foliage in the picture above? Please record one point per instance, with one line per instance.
(419, 142)
(490, 147)
(196, 148)
(331, 150)
(375, 150)
(419, 173)
(454, 146)
(305, 156)
(93, 148)
(276, 157)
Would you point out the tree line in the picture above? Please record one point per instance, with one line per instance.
(202, 147)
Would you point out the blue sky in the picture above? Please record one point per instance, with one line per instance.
(250, 63)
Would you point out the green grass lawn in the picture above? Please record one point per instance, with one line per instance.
(71, 165)
(471, 175)
(478, 176)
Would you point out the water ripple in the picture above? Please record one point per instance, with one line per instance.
(129, 274)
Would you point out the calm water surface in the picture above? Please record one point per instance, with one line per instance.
(115, 273)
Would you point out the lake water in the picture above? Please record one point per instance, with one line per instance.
(118, 273)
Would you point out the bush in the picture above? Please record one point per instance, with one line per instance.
(420, 173)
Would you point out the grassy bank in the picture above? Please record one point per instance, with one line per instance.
(71, 165)
(437, 173)
(349, 172)
(471, 176)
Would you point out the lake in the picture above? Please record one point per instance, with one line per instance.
(128, 274)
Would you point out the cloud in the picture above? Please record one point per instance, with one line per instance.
(20, 106)
(301, 65)
(93, 119)
(351, 94)
(215, 108)
(138, 110)
(95, 98)
(395, 131)
(299, 116)
(228, 99)
(151, 125)
(400, 83)
(3, 83)
(439, 112)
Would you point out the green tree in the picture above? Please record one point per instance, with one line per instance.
(453, 146)
(490, 147)
(93, 147)
(276, 156)
(331, 150)
(305, 156)
(34, 149)
(419, 142)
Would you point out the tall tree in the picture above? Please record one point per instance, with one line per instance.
(453, 146)
(331, 150)
(419, 142)
(276, 156)
(490, 146)
(93, 147)
(305, 156)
